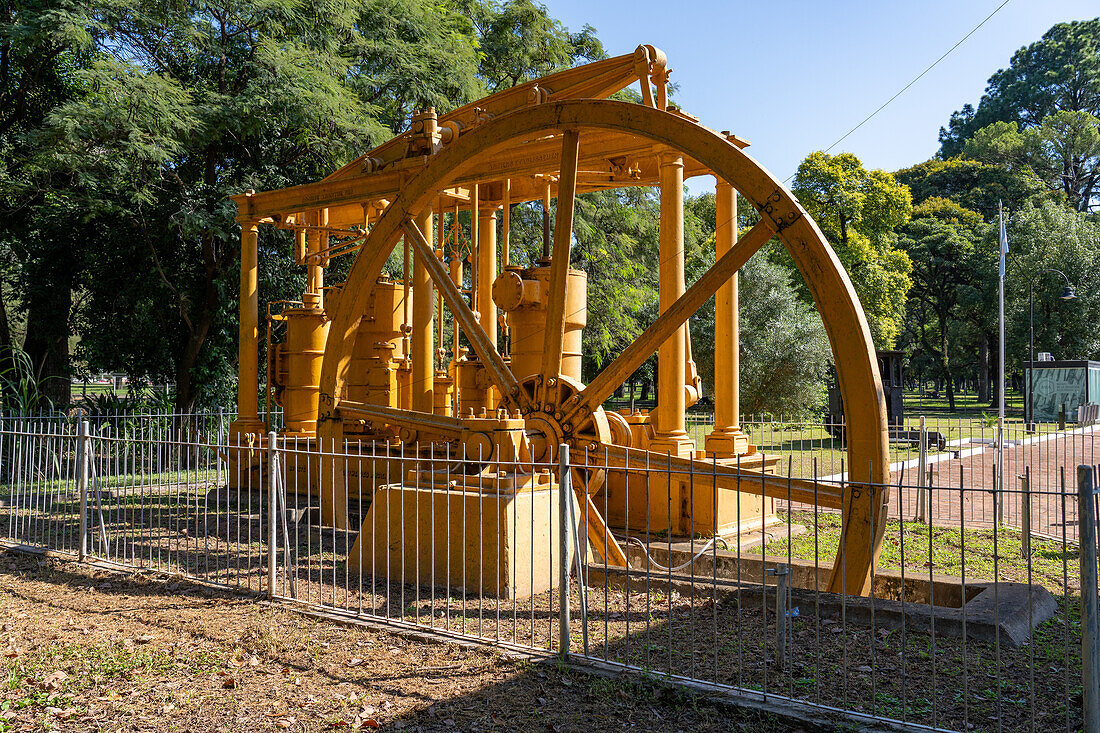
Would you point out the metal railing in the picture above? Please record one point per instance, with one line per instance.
(969, 624)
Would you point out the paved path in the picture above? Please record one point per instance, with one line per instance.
(1051, 464)
(1050, 461)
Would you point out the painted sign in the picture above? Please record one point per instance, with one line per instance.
(1055, 387)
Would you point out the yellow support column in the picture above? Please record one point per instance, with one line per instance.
(423, 350)
(248, 343)
(315, 271)
(487, 269)
(671, 393)
(726, 438)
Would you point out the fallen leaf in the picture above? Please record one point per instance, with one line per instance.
(285, 722)
(229, 683)
(53, 681)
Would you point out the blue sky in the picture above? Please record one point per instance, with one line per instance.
(792, 77)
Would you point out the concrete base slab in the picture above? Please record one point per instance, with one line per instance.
(980, 609)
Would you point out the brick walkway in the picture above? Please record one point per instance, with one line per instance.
(1053, 513)
(1052, 464)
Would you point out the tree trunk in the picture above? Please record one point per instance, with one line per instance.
(47, 342)
(7, 348)
(189, 356)
(983, 368)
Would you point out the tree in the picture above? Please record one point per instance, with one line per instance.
(41, 45)
(785, 351)
(190, 103)
(520, 41)
(1044, 237)
(1059, 72)
(857, 211)
(1063, 153)
(972, 184)
(941, 243)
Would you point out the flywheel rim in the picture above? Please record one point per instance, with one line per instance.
(829, 285)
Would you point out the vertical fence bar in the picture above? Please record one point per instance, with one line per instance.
(781, 606)
(922, 463)
(565, 499)
(82, 454)
(1025, 514)
(1090, 604)
(272, 507)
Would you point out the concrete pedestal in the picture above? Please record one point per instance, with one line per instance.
(681, 505)
(488, 534)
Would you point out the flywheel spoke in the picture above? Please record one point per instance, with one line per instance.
(618, 371)
(494, 363)
(559, 267)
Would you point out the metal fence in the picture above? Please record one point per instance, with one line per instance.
(957, 452)
(969, 624)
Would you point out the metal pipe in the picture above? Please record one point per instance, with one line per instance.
(565, 491)
(272, 508)
(83, 449)
(1090, 602)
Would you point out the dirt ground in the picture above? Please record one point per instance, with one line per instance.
(86, 649)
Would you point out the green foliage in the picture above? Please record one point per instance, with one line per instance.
(1063, 152)
(857, 211)
(942, 243)
(520, 41)
(1059, 72)
(971, 184)
(1044, 237)
(785, 353)
(21, 388)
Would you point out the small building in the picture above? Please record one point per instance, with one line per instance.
(892, 372)
(1071, 383)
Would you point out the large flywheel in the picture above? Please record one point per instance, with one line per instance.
(557, 408)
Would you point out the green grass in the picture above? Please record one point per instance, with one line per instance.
(85, 668)
(953, 551)
(122, 480)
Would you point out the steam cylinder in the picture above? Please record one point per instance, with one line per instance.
(525, 295)
(302, 354)
(378, 344)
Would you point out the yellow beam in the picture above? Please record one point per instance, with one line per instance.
(559, 261)
(423, 349)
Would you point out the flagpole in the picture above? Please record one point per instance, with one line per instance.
(1003, 246)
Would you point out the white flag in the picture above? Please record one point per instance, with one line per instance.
(1004, 245)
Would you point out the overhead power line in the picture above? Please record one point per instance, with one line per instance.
(915, 79)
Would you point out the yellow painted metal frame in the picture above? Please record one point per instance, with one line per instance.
(863, 498)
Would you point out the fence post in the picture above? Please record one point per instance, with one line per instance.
(218, 450)
(272, 508)
(782, 590)
(83, 450)
(1025, 513)
(1090, 603)
(922, 462)
(565, 499)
